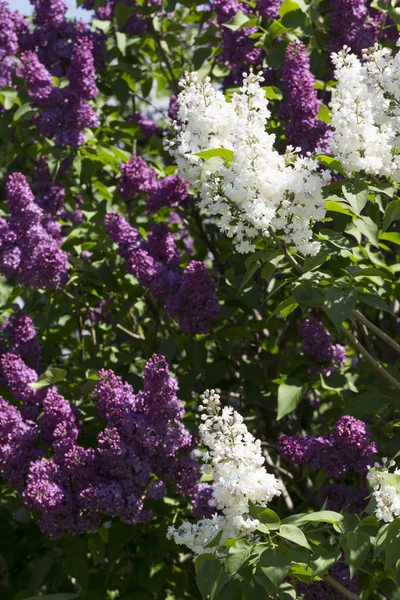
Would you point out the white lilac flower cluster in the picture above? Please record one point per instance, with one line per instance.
(258, 188)
(366, 112)
(385, 492)
(235, 461)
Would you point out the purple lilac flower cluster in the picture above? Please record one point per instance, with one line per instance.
(11, 25)
(147, 126)
(49, 193)
(28, 249)
(189, 296)
(317, 342)
(304, 130)
(136, 23)
(348, 448)
(143, 444)
(319, 590)
(21, 339)
(54, 37)
(357, 25)
(138, 178)
(64, 112)
(238, 50)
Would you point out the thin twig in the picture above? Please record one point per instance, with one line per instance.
(133, 335)
(369, 358)
(340, 588)
(376, 330)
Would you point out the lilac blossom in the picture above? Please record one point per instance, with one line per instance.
(27, 250)
(147, 126)
(303, 129)
(357, 25)
(171, 191)
(22, 339)
(348, 448)
(195, 304)
(11, 23)
(269, 9)
(136, 178)
(65, 112)
(189, 296)
(317, 342)
(143, 444)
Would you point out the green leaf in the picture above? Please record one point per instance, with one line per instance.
(357, 201)
(356, 549)
(308, 295)
(390, 236)
(96, 548)
(290, 394)
(392, 213)
(224, 153)
(121, 42)
(241, 20)
(324, 114)
(316, 261)
(333, 206)
(275, 563)
(8, 98)
(272, 92)
(47, 378)
(208, 569)
(199, 56)
(392, 547)
(323, 559)
(380, 539)
(321, 516)
(122, 13)
(295, 535)
(249, 275)
(23, 111)
(237, 556)
(288, 6)
(339, 304)
(330, 162)
(269, 520)
(375, 301)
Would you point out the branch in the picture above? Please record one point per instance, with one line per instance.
(376, 330)
(369, 358)
(351, 338)
(340, 588)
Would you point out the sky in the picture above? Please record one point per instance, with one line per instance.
(25, 7)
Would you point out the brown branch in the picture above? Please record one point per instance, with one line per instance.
(369, 358)
(376, 330)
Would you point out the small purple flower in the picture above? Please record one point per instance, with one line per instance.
(195, 304)
(171, 191)
(200, 501)
(136, 178)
